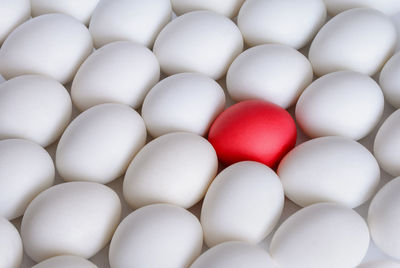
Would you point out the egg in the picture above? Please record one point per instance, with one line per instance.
(183, 102)
(10, 245)
(289, 22)
(389, 80)
(389, 7)
(321, 235)
(81, 10)
(360, 40)
(35, 108)
(387, 144)
(65, 261)
(130, 20)
(380, 264)
(243, 203)
(26, 169)
(199, 41)
(12, 14)
(274, 73)
(41, 46)
(234, 254)
(175, 168)
(228, 8)
(154, 236)
(97, 82)
(99, 144)
(344, 103)
(329, 169)
(73, 218)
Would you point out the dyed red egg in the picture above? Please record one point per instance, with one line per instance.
(253, 130)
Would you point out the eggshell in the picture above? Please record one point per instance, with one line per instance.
(389, 7)
(183, 102)
(35, 108)
(65, 261)
(380, 264)
(199, 41)
(387, 144)
(12, 14)
(342, 103)
(131, 20)
(329, 169)
(290, 22)
(10, 245)
(53, 45)
(322, 235)
(243, 203)
(120, 72)
(389, 80)
(154, 236)
(228, 8)
(100, 143)
(81, 10)
(273, 73)
(74, 218)
(234, 254)
(26, 169)
(360, 40)
(175, 168)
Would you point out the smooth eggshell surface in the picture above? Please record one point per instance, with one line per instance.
(131, 20)
(273, 73)
(120, 72)
(53, 45)
(228, 8)
(389, 80)
(10, 245)
(380, 264)
(322, 235)
(12, 14)
(243, 203)
(360, 40)
(183, 102)
(234, 254)
(175, 168)
(156, 236)
(26, 169)
(198, 41)
(65, 261)
(73, 218)
(342, 103)
(329, 169)
(389, 7)
(290, 22)
(35, 108)
(99, 144)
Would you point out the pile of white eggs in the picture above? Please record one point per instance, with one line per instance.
(105, 109)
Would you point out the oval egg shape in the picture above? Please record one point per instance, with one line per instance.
(65, 261)
(228, 8)
(12, 14)
(389, 80)
(11, 251)
(389, 7)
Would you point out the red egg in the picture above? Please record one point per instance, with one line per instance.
(253, 130)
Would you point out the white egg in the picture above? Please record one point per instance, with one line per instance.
(389, 80)
(81, 10)
(54, 45)
(65, 261)
(183, 102)
(175, 168)
(234, 254)
(389, 7)
(288, 22)
(35, 108)
(131, 20)
(228, 8)
(360, 40)
(387, 144)
(26, 169)
(274, 73)
(155, 236)
(97, 80)
(329, 169)
(73, 218)
(12, 14)
(322, 235)
(100, 143)
(243, 203)
(344, 103)
(380, 264)
(10, 245)
(198, 41)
